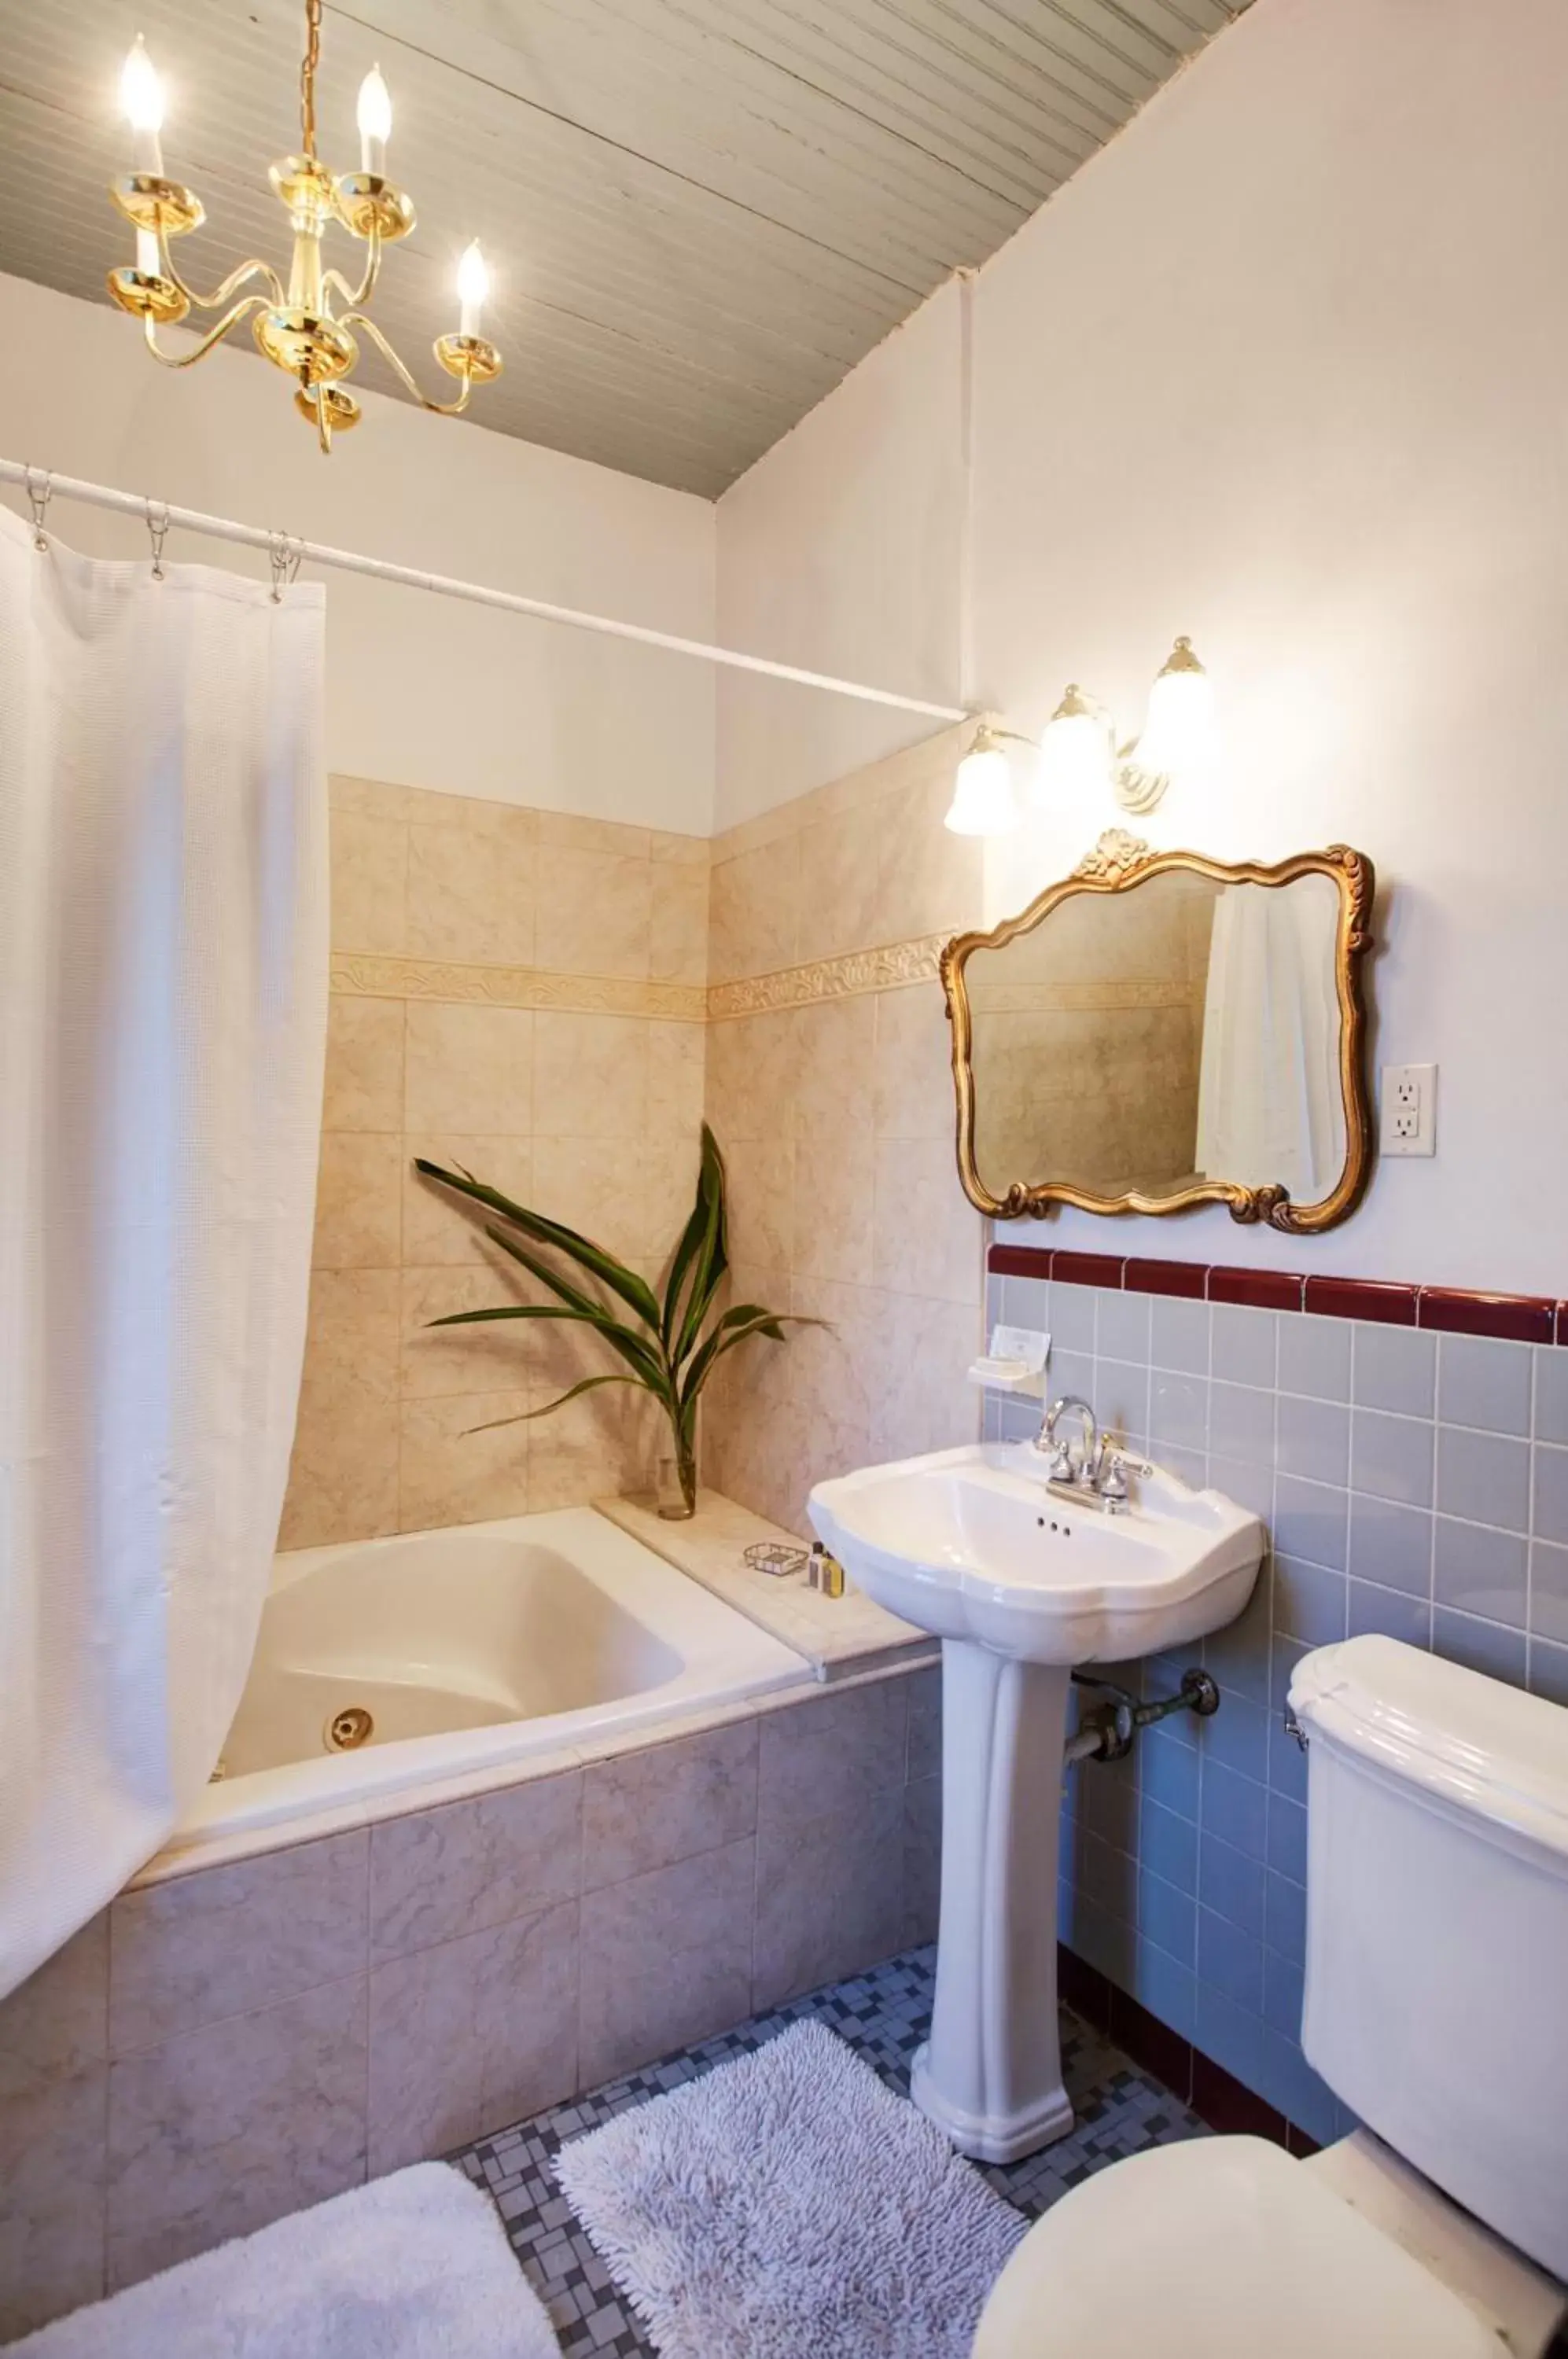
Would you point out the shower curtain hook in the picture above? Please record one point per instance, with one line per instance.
(284, 557)
(39, 501)
(157, 532)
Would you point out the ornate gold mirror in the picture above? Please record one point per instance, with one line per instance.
(1161, 1030)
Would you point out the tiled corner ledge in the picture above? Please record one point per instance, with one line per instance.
(1451, 1309)
(841, 1637)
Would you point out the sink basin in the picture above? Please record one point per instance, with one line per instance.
(1019, 1584)
(971, 1544)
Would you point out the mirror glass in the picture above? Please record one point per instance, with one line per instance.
(1184, 1030)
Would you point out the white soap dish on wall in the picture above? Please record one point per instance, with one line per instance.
(1015, 1362)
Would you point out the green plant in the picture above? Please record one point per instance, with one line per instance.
(670, 1346)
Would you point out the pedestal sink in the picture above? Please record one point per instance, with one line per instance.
(1019, 1585)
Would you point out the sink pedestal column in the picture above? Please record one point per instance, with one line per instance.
(990, 2074)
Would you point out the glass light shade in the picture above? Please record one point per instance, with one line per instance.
(1180, 716)
(1074, 752)
(374, 112)
(141, 92)
(983, 802)
(472, 276)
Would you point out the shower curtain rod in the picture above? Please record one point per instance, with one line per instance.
(344, 561)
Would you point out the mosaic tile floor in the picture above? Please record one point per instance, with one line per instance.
(884, 2016)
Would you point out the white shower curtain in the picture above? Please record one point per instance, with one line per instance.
(163, 978)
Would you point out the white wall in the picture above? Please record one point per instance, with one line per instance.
(835, 553)
(1284, 368)
(421, 691)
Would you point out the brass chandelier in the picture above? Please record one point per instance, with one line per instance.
(295, 325)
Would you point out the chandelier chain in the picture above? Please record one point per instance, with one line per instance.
(307, 65)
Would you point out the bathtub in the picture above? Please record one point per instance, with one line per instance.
(385, 1665)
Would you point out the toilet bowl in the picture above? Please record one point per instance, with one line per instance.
(1435, 2008)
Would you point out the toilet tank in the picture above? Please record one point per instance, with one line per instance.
(1437, 1924)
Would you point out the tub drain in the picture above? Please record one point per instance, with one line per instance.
(347, 1729)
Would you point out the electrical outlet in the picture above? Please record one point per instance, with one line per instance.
(1410, 1110)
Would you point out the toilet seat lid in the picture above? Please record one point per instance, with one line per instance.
(1219, 2248)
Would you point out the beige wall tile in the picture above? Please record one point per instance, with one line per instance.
(835, 1042)
(929, 880)
(929, 1236)
(365, 1064)
(224, 2129)
(473, 2034)
(470, 1069)
(753, 909)
(677, 1060)
(678, 936)
(922, 1862)
(830, 1892)
(590, 1077)
(201, 1948)
(437, 1874)
(667, 848)
(761, 1201)
(912, 1096)
(834, 1182)
(472, 889)
(369, 882)
(831, 1747)
(458, 1464)
(669, 1191)
(58, 2021)
(440, 1228)
(587, 1185)
(666, 1961)
(359, 1200)
(603, 835)
(489, 1356)
(596, 912)
(754, 1074)
(343, 1479)
(647, 1810)
(580, 1452)
(53, 2168)
(837, 909)
(918, 1358)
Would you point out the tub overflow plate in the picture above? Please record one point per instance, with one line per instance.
(348, 1728)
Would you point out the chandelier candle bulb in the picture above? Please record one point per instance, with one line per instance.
(473, 287)
(374, 115)
(150, 262)
(141, 99)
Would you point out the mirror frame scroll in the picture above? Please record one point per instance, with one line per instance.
(1120, 863)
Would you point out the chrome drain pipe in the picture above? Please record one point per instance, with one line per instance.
(1107, 1735)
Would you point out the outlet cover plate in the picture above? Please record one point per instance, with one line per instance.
(1408, 1118)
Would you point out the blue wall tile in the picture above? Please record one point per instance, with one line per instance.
(1170, 1771)
(1237, 1737)
(1168, 1844)
(1282, 1982)
(1167, 1916)
(1230, 1961)
(1232, 2035)
(1285, 1916)
(1165, 1985)
(1231, 1884)
(1287, 1837)
(1237, 1809)
(1480, 1646)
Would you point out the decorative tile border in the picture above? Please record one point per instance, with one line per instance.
(360, 974)
(891, 966)
(887, 968)
(1455, 1310)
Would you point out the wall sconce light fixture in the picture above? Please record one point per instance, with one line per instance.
(985, 801)
(1079, 757)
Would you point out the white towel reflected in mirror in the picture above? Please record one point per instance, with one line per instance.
(1270, 1102)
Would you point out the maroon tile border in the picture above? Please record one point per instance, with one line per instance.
(1453, 1310)
(1520, 1317)
(1184, 1278)
(1362, 1297)
(1258, 1290)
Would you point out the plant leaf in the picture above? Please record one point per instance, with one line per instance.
(634, 1291)
(526, 1415)
(746, 1318)
(712, 1259)
(634, 1349)
(703, 1237)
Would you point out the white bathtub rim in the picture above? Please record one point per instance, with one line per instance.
(229, 1850)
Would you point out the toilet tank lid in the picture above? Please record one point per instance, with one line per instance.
(1477, 1745)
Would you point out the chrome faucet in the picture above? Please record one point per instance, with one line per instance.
(1064, 1468)
(1100, 1474)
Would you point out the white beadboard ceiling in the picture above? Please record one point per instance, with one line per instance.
(700, 214)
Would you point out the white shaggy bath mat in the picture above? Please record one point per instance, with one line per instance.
(414, 2267)
(787, 2206)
